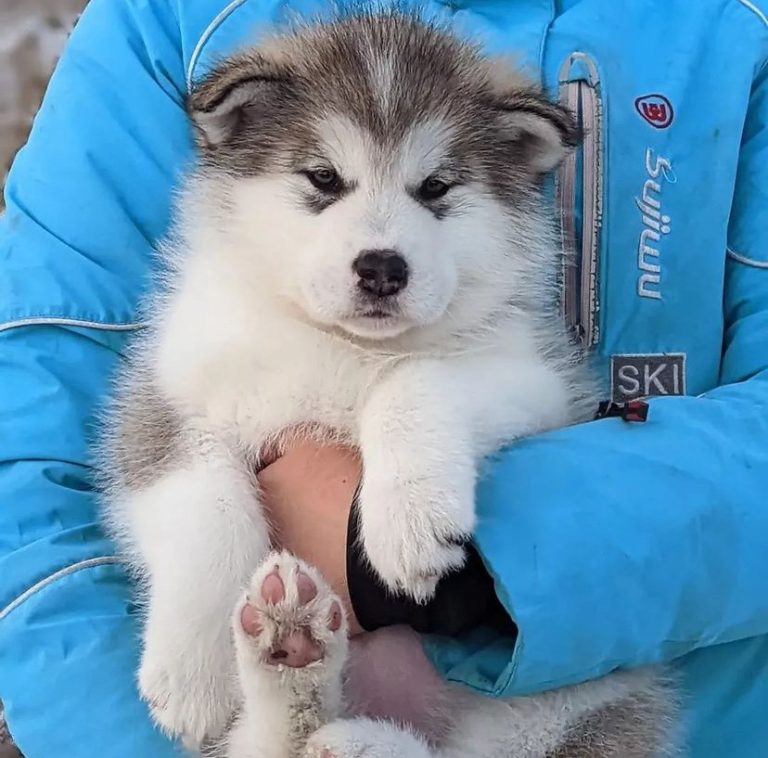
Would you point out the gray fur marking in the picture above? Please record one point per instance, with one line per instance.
(631, 728)
(144, 435)
(258, 111)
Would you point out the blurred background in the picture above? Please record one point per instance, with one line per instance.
(32, 34)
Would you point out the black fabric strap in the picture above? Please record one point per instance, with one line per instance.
(464, 600)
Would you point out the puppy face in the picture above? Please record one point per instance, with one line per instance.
(377, 173)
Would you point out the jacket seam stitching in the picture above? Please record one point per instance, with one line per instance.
(752, 7)
(54, 577)
(56, 321)
(235, 4)
(745, 260)
(219, 19)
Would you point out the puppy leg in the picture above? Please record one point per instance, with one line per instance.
(291, 640)
(194, 535)
(423, 432)
(365, 738)
(417, 498)
(625, 715)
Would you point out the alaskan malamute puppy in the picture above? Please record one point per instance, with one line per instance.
(363, 248)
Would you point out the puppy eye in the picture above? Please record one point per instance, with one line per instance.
(324, 179)
(433, 188)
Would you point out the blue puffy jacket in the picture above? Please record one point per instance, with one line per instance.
(612, 544)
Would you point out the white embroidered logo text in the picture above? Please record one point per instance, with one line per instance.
(656, 225)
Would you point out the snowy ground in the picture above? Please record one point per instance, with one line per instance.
(32, 33)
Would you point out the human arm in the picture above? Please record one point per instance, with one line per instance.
(85, 201)
(618, 544)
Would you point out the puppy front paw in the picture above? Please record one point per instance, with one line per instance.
(414, 534)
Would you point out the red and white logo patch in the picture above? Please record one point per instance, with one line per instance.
(656, 110)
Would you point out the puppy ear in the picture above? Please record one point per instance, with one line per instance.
(243, 87)
(542, 131)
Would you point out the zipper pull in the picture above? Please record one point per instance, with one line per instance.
(634, 411)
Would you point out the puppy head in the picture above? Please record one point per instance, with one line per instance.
(377, 172)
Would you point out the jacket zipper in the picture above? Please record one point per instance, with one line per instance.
(579, 90)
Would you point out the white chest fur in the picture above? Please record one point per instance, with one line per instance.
(260, 374)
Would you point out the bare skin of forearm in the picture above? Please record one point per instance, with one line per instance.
(308, 495)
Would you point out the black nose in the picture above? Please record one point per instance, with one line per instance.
(381, 272)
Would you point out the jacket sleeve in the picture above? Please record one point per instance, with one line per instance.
(616, 544)
(86, 199)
